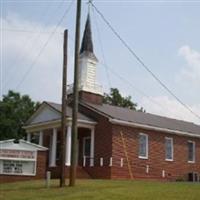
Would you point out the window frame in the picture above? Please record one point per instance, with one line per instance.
(194, 151)
(172, 149)
(147, 146)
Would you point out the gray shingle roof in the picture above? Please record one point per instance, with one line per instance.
(128, 115)
(57, 107)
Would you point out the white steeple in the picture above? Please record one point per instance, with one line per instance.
(88, 63)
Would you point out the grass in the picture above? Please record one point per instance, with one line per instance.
(101, 190)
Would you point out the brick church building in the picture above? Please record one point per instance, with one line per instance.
(115, 142)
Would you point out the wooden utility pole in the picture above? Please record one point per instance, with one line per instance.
(72, 177)
(63, 121)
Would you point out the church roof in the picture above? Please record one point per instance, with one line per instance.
(87, 44)
(49, 112)
(127, 117)
(145, 119)
(58, 107)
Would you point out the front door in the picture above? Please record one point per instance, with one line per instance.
(86, 149)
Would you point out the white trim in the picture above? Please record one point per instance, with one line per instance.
(101, 162)
(15, 174)
(18, 159)
(84, 161)
(163, 174)
(92, 145)
(194, 151)
(41, 138)
(53, 148)
(111, 162)
(29, 137)
(68, 146)
(39, 148)
(121, 162)
(147, 169)
(7, 141)
(172, 148)
(148, 127)
(147, 146)
(56, 124)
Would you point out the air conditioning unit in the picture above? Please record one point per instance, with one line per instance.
(193, 177)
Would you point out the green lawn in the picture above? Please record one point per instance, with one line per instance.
(101, 190)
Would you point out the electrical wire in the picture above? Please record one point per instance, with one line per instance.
(43, 47)
(33, 42)
(102, 50)
(131, 85)
(26, 31)
(142, 63)
(25, 43)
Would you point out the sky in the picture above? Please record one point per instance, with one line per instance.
(164, 34)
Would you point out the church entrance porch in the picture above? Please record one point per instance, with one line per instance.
(50, 138)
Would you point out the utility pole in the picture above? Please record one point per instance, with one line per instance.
(72, 177)
(64, 104)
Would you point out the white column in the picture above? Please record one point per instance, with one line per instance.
(92, 148)
(41, 138)
(28, 137)
(53, 148)
(68, 146)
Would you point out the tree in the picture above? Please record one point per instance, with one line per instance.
(116, 99)
(14, 112)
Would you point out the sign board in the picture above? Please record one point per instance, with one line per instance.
(19, 154)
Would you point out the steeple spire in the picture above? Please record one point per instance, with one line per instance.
(87, 45)
(89, 89)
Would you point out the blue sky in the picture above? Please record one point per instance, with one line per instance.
(165, 34)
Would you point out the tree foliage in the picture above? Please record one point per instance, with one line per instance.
(15, 109)
(116, 99)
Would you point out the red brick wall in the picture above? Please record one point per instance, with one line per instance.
(179, 168)
(99, 172)
(103, 141)
(40, 171)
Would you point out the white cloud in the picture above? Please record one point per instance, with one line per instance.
(21, 49)
(191, 72)
(164, 106)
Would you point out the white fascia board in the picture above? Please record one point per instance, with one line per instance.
(57, 124)
(38, 147)
(7, 141)
(148, 127)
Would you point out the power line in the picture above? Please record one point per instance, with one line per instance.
(102, 50)
(107, 68)
(47, 41)
(122, 78)
(26, 44)
(135, 88)
(142, 63)
(26, 31)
